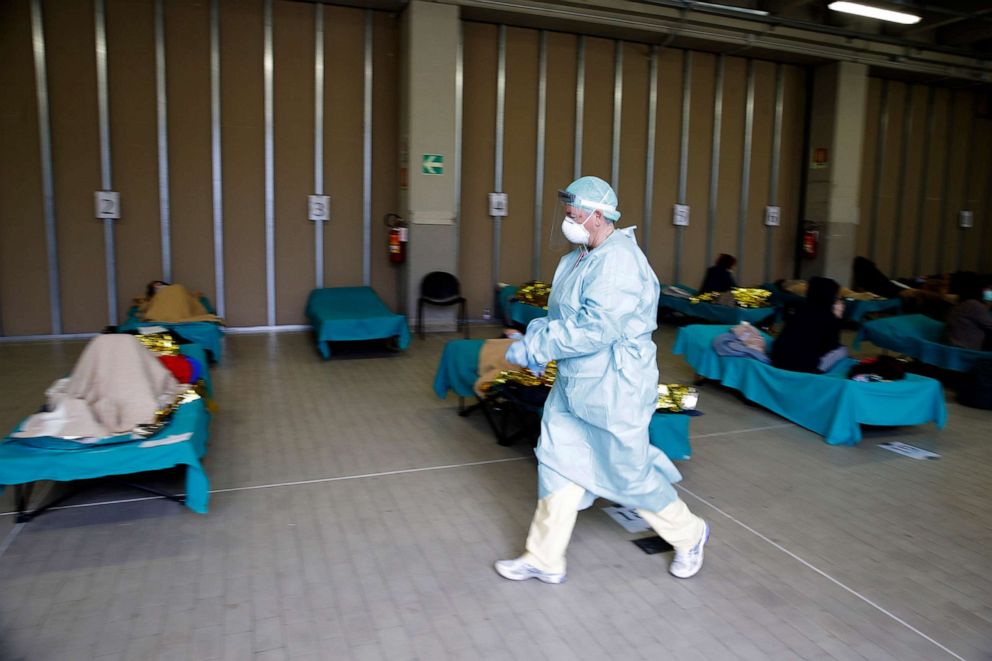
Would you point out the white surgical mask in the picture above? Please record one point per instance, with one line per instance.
(987, 295)
(575, 232)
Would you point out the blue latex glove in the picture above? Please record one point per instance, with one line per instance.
(537, 369)
(516, 353)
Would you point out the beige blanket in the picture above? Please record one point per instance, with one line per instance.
(116, 385)
(174, 304)
(492, 361)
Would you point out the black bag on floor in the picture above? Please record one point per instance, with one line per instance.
(976, 387)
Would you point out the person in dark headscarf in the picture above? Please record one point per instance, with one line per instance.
(810, 341)
(719, 277)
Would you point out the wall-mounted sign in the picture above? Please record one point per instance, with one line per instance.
(821, 158)
(498, 204)
(772, 216)
(108, 204)
(319, 207)
(433, 164)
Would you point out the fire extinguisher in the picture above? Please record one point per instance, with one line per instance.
(397, 238)
(811, 241)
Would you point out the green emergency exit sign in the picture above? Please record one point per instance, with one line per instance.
(433, 164)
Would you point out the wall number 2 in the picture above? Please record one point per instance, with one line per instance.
(107, 203)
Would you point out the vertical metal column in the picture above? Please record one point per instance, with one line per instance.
(498, 156)
(215, 159)
(968, 169)
(270, 219)
(945, 216)
(617, 114)
(921, 200)
(715, 156)
(907, 134)
(883, 138)
(542, 111)
(683, 158)
(367, 157)
(459, 115)
(47, 179)
(745, 199)
(106, 183)
(775, 165)
(580, 106)
(649, 158)
(162, 115)
(318, 138)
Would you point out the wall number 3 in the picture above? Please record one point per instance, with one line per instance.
(319, 207)
(107, 203)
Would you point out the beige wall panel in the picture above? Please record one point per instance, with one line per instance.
(978, 203)
(907, 224)
(385, 147)
(932, 210)
(559, 150)
(344, 85)
(700, 146)
(76, 163)
(187, 65)
(666, 162)
(791, 171)
(134, 145)
(961, 140)
(243, 135)
(634, 135)
(731, 163)
(887, 224)
(597, 127)
(478, 145)
(519, 155)
(869, 149)
(293, 44)
(24, 304)
(752, 271)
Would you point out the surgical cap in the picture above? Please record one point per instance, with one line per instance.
(594, 194)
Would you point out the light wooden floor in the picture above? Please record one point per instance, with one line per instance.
(381, 545)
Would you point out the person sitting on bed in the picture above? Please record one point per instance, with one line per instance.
(810, 341)
(969, 324)
(719, 276)
(172, 303)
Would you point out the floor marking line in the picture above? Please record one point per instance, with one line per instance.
(743, 431)
(365, 475)
(821, 573)
(319, 480)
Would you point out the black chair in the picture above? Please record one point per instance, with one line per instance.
(440, 288)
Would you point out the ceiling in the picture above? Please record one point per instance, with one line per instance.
(961, 26)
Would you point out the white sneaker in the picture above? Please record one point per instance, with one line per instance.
(518, 570)
(688, 563)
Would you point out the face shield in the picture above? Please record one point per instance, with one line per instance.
(571, 224)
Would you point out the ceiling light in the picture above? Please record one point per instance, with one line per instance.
(874, 12)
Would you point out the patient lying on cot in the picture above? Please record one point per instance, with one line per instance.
(172, 303)
(116, 386)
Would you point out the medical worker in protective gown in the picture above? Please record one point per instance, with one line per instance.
(594, 433)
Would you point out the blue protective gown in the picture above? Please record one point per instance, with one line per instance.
(594, 433)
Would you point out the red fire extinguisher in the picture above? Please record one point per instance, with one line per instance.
(397, 238)
(811, 240)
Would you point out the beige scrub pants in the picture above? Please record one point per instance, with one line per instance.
(555, 517)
